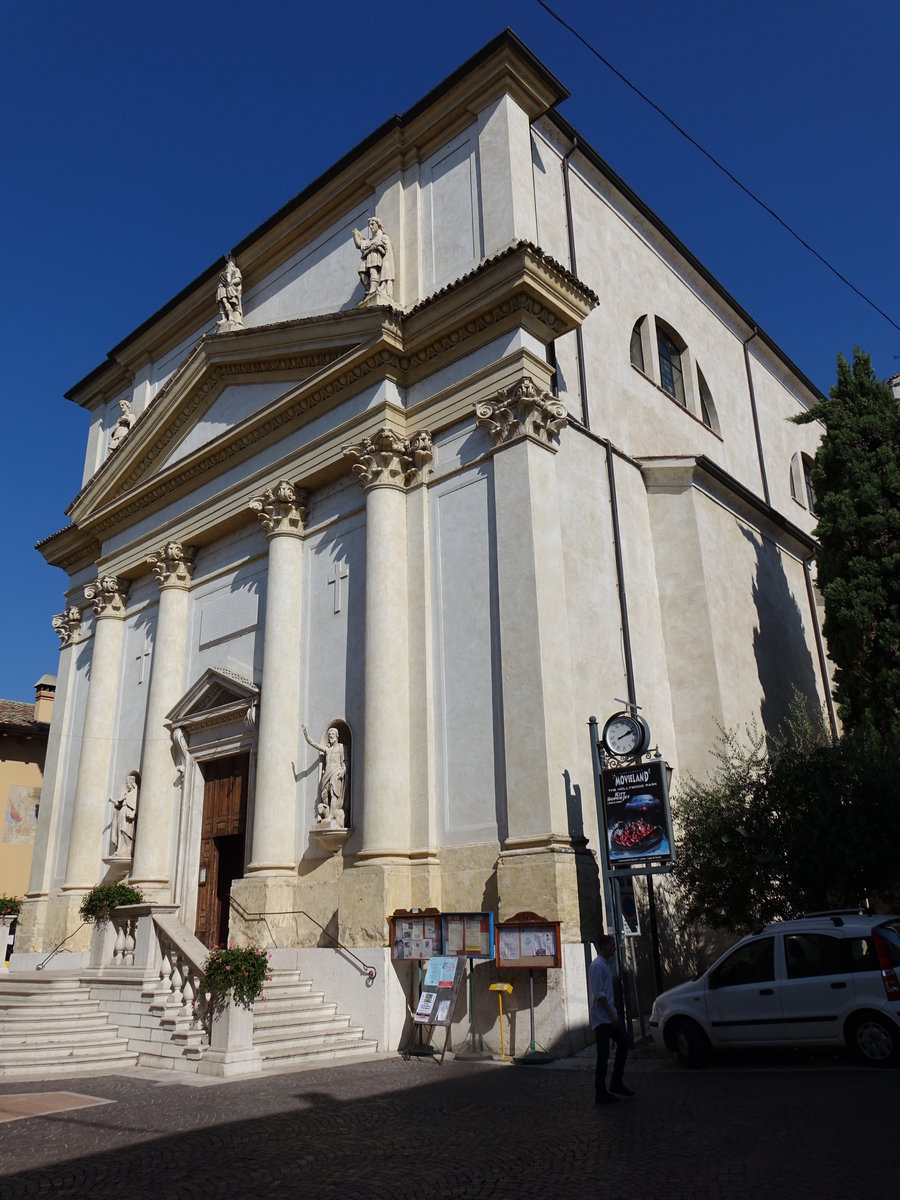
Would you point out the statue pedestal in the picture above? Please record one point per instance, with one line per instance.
(330, 835)
(118, 867)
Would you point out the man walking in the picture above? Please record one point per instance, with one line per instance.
(607, 1024)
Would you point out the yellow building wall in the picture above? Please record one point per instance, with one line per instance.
(21, 770)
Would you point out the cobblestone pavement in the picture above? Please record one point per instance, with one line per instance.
(775, 1126)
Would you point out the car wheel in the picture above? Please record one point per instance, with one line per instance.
(689, 1044)
(874, 1039)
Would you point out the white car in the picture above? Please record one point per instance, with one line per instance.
(829, 979)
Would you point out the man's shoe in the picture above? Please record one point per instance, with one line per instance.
(606, 1098)
(620, 1089)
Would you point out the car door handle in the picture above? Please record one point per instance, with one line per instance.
(767, 991)
(836, 987)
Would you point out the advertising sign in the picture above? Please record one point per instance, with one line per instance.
(636, 814)
(439, 991)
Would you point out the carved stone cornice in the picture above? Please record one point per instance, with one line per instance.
(173, 565)
(522, 412)
(107, 596)
(386, 459)
(67, 624)
(282, 509)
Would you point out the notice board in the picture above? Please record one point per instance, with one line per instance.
(528, 941)
(440, 990)
(469, 934)
(415, 935)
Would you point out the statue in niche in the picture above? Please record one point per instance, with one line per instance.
(125, 816)
(122, 427)
(376, 268)
(332, 777)
(229, 293)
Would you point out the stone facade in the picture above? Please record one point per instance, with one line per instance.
(427, 522)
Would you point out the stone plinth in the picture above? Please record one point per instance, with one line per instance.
(231, 1044)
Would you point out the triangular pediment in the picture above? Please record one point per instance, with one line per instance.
(218, 695)
(231, 393)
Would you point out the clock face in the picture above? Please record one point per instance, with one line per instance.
(624, 735)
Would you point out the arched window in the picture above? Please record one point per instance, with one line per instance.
(707, 408)
(671, 372)
(637, 344)
(801, 481)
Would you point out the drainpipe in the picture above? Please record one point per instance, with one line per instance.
(579, 340)
(759, 448)
(820, 645)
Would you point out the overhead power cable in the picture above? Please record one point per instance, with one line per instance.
(712, 158)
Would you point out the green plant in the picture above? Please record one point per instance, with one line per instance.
(236, 972)
(99, 902)
(9, 906)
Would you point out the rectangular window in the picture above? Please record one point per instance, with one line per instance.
(670, 367)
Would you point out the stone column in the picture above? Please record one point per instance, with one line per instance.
(387, 464)
(91, 808)
(537, 864)
(282, 513)
(173, 566)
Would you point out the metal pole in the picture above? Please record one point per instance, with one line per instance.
(654, 935)
(601, 824)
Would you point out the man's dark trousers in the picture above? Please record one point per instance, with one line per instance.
(602, 1034)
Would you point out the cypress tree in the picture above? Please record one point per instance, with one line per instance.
(856, 481)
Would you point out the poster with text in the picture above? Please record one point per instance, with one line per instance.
(636, 812)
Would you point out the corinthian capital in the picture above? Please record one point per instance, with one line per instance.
(522, 412)
(282, 508)
(173, 565)
(388, 460)
(107, 596)
(67, 624)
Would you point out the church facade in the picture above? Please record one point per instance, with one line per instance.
(459, 448)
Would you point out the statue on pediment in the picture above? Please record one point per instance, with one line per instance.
(376, 268)
(332, 777)
(122, 427)
(124, 819)
(229, 296)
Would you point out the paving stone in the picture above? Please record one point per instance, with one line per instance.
(794, 1127)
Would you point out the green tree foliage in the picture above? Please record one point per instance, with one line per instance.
(856, 478)
(812, 825)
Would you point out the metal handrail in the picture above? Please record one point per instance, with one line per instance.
(56, 949)
(369, 971)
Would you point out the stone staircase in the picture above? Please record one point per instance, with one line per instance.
(49, 1025)
(294, 1026)
(58, 1024)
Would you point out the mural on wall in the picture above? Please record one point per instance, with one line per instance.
(21, 814)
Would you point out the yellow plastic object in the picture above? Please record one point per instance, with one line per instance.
(500, 988)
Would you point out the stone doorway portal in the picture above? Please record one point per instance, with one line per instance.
(222, 843)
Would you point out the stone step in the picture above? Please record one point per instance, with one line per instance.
(289, 1003)
(288, 990)
(76, 1009)
(63, 1053)
(327, 1053)
(264, 1014)
(107, 1062)
(325, 1026)
(290, 1043)
(38, 1035)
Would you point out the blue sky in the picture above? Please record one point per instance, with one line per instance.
(139, 143)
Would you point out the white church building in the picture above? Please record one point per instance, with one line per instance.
(459, 448)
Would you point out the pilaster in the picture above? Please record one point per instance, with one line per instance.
(537, 862)
(387, 465)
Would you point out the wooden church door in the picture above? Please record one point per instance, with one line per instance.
(222, 840)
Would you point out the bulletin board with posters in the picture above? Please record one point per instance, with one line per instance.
(415, 935)
(470, 935)
(528, 941)
(440, 991)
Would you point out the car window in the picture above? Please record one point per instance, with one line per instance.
(811, 954)
(754, 962)
(863, 956)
